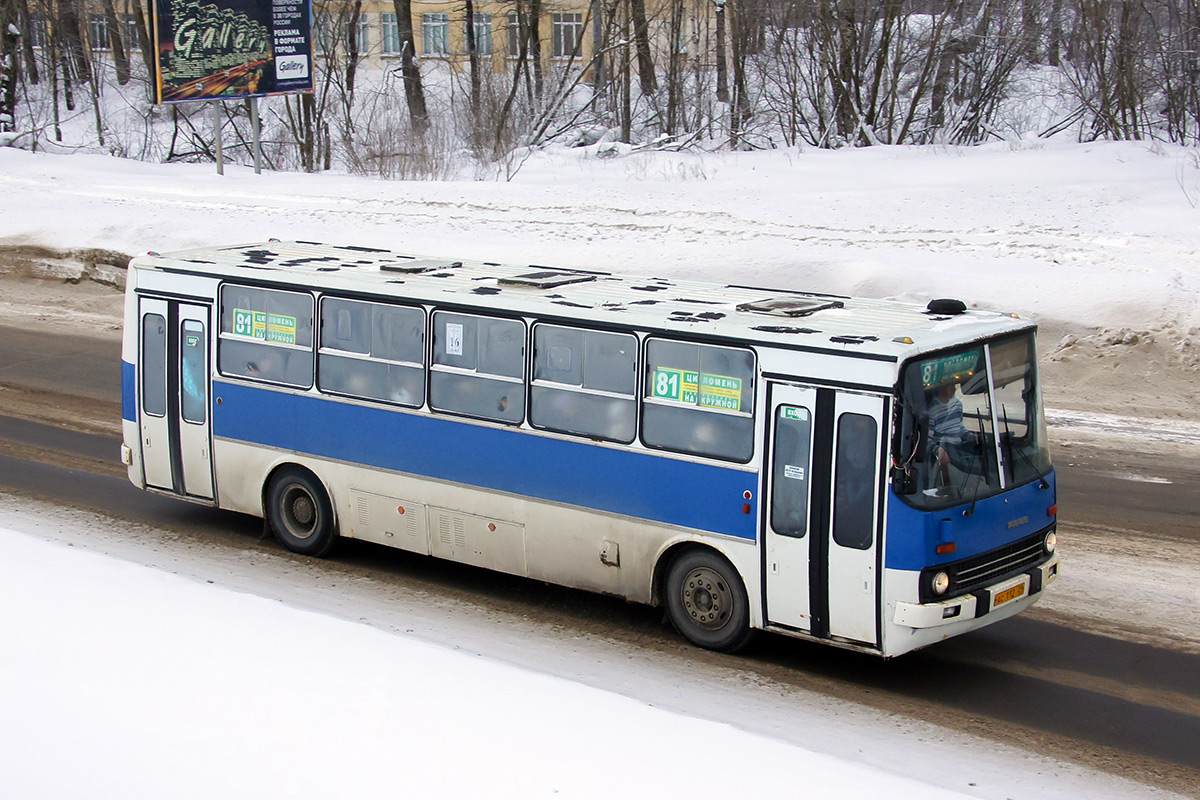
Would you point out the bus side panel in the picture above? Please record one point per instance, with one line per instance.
(672, 491)
(130, 433)
(575, 547)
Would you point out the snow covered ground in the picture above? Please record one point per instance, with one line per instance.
(191, 678)
(137, 683)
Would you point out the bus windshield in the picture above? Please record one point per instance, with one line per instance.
(972, 423)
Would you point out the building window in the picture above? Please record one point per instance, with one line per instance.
(514, 35)
(391, 34)
(584, 382)
(98, 32)
(325, 26)
(131, 31)
(362, 44)
(37, 30)
(483, 33)
(435, 34)
(568, 31)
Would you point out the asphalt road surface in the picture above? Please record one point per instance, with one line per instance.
(1120, 706)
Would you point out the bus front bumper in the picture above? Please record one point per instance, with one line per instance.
(979, 603)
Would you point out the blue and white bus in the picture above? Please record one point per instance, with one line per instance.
(865, 473)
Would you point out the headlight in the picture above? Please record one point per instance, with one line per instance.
(1051, 542)
(940, 583)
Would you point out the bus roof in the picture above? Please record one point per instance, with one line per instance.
(783, 317)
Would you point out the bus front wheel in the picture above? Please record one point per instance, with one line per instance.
(707, 602)
(300, 513)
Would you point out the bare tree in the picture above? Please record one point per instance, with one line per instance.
(9, 66)
(410, 71)
(116, 43)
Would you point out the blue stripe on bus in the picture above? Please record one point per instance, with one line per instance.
(913, 535)
(699, 496)
(128, 391)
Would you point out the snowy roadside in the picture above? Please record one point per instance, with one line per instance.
(141, 675)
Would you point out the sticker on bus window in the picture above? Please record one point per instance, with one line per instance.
(454, 339)
(798, 414)
(674, 384)
(192, 340)
(721, 391)
(261, 325)
(793, 472)
(695, 388)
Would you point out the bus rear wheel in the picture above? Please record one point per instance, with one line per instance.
(707, 602)
(300, 513)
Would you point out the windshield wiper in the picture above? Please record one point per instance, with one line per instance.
(1012, 448)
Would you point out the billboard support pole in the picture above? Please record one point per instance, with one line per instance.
(216, 123)
(256, 135)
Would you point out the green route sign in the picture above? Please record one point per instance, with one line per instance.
(697, 388)
(261, 325)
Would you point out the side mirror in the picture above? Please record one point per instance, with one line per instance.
(903, 482)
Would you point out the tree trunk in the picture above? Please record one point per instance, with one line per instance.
(9, 47)
(675, 67)
(476, 78)
(26, 26)
(144, 43)
(414, 92)
(116, 43)
(641, 38)
(722, 74)
(626, 82)
(71, 37)
(352, 54)
(535, 47)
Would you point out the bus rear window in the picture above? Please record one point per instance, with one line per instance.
(699, 399)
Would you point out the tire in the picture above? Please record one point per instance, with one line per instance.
(300, 513)
(707, 602)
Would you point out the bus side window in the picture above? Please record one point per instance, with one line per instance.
(372, 350)
(854, 482)
(478, 367)
(266, 334)
(699, 399)
(583, 382)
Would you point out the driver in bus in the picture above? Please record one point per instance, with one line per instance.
(948, 436)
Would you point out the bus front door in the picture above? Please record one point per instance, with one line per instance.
(173, 397)
(789, 511)
(821, 526)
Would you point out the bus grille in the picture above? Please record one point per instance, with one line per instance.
(987, 568)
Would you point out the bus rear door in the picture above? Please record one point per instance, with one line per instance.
(173, 396)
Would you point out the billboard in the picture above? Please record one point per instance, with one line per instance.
(232, 48)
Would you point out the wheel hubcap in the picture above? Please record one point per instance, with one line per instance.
(707, 598)
(299, 512)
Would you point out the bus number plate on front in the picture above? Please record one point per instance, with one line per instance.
(1009, 594)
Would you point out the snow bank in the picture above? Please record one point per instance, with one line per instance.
(1102, 234)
